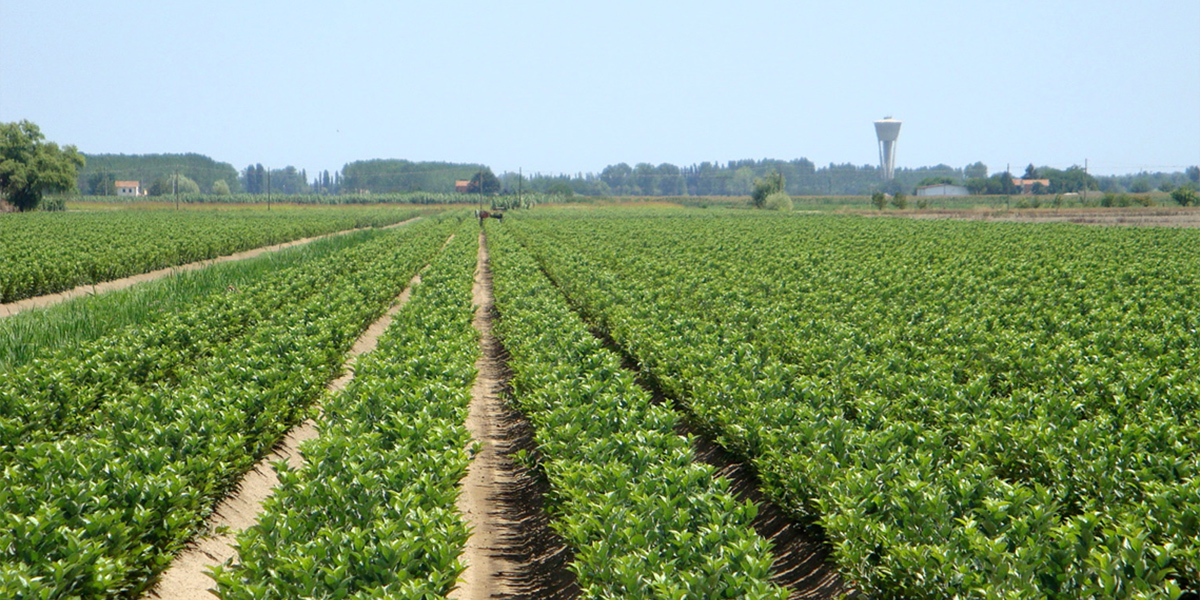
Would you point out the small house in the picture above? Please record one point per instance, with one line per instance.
(128, 188)
(1026, 185)
(461, 185)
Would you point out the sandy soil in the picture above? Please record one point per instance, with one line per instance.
(512, 552)
(485, 476)
(13, 308)
(186, 579)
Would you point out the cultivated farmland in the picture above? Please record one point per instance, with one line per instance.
(967, 410)
(939, 409)
(43, 253)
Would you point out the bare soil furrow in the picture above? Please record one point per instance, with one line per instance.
(512, 552)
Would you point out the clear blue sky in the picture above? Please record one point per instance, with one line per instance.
(574, 86)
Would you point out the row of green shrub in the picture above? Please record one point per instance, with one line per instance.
(372, 512)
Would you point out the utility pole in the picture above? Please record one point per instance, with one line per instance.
(520, 180)
(268, 189)
(1085, 185)
(175, 187)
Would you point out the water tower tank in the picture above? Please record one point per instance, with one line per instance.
(887, 130)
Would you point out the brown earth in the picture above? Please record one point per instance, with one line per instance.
(512, 552)
(13, 308)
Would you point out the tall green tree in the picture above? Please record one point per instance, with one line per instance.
(975, 170)
(171, 184)
(102, 184)
(486, 179)
(766, 186)
(146, 168)
(1185, 196)
(31, 166)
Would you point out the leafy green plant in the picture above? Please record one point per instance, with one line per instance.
(644, 518)
(46, 253)
(99, 493)
(972, 409)
(372, 512)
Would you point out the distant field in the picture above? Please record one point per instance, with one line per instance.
(48, 252)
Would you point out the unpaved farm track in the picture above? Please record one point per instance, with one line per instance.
(12, 308)
(512, 552)
(187, 578)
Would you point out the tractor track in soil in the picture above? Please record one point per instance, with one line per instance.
(512, 552)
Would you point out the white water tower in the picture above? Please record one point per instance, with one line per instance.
(887, 131)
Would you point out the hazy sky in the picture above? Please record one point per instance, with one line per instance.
(573, 86)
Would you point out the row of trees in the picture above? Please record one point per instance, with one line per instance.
(154, 171)
(398, 176)
(24, 145)
(733, 178)
(256, 179)
(164, 173)
(803, 178)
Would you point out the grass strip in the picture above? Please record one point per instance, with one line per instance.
(64, 327)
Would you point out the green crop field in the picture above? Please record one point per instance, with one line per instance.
(953, 409)
(970, 410)
(42, 253)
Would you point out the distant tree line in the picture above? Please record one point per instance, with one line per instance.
(733, 178)
(398, 176)
(803, 178)
(99, 176)
(257, 179)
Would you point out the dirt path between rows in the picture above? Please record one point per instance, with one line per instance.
(12, 308)
(512, 551)
(187, 578)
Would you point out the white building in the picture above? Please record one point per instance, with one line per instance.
(128, 188)
(943, 189)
